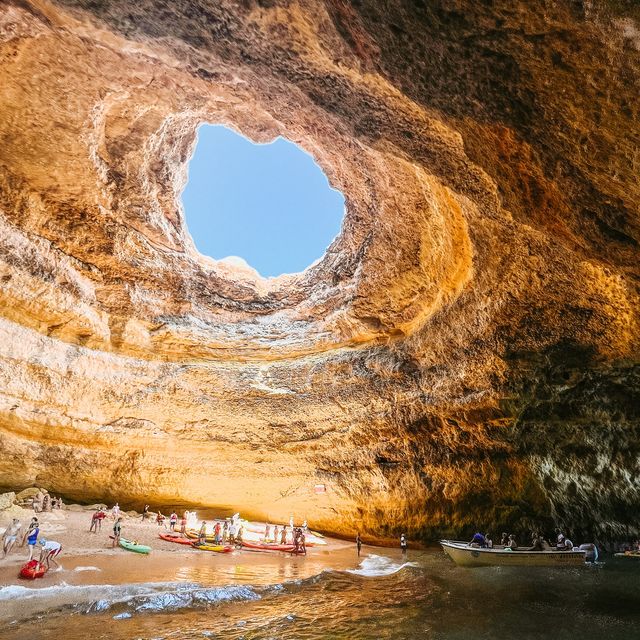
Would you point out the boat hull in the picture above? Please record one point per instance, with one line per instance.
(465, 556)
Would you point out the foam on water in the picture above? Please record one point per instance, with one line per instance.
(374, 566)
(87, 569)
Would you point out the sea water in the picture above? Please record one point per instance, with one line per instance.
(383, 595)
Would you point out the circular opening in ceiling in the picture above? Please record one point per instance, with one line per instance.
(269, 206)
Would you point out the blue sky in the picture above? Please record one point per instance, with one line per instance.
(270, 204)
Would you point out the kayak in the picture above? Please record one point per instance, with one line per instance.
(32, 570)
(174, 537)
(134, 546)
(628, 554)
(212, 547)
(261, 546)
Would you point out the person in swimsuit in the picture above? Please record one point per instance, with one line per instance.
(358, 543)
(50, 549)
(96, 521)
(32, 536)
(217, 534)
(117, 529)
(145, 512)
(115, 512)
(276, 531)
(183, 525)
(267, 532)
(202, 535)
(173, 520)
(10, 536)
(403, 544)
(283, 535)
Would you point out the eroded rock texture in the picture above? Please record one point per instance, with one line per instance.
(465, 354)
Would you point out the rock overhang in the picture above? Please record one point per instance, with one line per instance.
(406, 341)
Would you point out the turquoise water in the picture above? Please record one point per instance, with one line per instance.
(383, 597)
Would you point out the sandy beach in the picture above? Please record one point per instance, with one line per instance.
(92, 569)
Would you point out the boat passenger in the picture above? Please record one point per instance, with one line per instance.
(488, 541)
(511, 543)
(478, 540)
(568, 545)
(504, 540)
(537, 543)
(559, 539)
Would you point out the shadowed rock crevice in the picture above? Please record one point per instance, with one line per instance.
(465, 353)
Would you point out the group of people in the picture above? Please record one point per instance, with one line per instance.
(49, 549)
(508, 542)
(44, 502)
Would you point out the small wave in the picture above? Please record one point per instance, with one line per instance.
(183, 598)
(87, 569)
(374, 566)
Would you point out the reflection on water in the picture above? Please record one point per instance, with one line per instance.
(428, 598)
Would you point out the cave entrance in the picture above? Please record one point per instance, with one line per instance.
(267, 205)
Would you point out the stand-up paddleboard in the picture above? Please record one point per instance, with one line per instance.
(134, 546)
(32, 570)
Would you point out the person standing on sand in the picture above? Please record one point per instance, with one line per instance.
(276, 530)
(145, 512)
(217, 535)
(10, 536)
(115, 512)
(96, 520)
(403, 544)
(173, 520)
(202, 535)
(117, 529)
(358, 543)
(283, 535)
(267, 532)
(32, 536)
(183, 525)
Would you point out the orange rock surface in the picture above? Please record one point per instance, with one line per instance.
(464, 355)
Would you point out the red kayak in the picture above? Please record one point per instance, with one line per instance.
(32, 570)
(261, 546)
(174, 537)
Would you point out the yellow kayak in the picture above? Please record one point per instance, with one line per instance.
(212, 547)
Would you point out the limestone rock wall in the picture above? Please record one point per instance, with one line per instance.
(464, 355)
